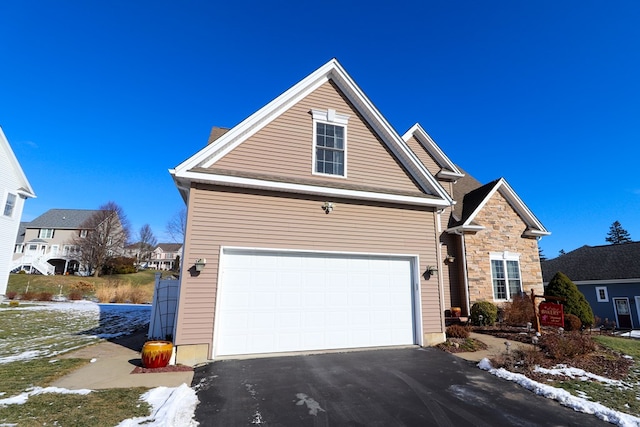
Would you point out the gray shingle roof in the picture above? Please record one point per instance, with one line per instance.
(169, 247)
(62, 218)
(605, 262)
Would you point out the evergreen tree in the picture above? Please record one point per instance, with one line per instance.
(576, 303)
(541, 255)
(617, 234)
(561, 252)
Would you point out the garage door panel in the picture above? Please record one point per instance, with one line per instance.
(274, 302)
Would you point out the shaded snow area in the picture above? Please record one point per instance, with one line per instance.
(73, 325)
(564, 397)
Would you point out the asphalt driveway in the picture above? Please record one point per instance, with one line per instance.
(393, 387)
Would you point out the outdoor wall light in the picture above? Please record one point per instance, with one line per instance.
(327, 207)
(200, 263)
(431, 270)
(450, 258)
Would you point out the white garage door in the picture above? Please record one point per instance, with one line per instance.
(277, 301)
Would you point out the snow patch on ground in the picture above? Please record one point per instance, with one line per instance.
(22, 398)
(171, 407)
(563, 397)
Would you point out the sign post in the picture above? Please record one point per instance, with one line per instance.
(552, 314)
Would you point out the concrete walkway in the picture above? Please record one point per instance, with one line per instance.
(495, 346)
(112, 367)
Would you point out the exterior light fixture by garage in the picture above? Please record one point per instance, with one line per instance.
(327, 207)
(450, 258)
(431, 270)
(200, 263)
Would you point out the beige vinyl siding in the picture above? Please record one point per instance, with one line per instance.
(285, 147)
(259, 219)
(426, 158)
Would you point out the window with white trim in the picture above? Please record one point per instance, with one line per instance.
(83, 233)
(505, 275)
(602, 295)
(329, 143)
(10, 204)
(45, 233)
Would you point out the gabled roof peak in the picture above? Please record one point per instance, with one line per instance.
(449, 171)
(186, 173)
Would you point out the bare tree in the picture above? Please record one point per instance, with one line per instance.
(177, 226)
(102, 236)
(146, 243)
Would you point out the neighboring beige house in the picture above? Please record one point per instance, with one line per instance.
(314, 225)
(14, 190)
(45, 245)
(165, 255)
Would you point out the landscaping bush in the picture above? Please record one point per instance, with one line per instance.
(11, 295)
(457, 331)
(83, 288)
(44, 296)
(561, 286)
(488, 310)
(75, 296)
(22, 272)
(572, 322)
(519, 311)
(567, 345)
(28, 296)
(119, 265)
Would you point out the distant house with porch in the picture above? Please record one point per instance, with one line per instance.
(609, 278)
(165, 255)
(45, 245)
(14, 190)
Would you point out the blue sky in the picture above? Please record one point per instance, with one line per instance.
(100, 99)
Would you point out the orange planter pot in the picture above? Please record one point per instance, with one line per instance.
(156, 354)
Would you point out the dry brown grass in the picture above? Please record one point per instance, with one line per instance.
(124, 292)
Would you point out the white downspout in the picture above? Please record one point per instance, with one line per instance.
(439, 264)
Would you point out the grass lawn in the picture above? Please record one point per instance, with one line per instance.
(31, 340)
(142, 282)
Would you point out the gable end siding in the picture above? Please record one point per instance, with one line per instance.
(285, 146)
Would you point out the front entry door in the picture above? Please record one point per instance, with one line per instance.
(623, 313)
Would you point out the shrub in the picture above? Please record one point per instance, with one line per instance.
(488, 310)
(44, 296)
(561, 286)
(28, 296)
(457, 331)
(519, 311)
(572, 322)
(22, 272)
(83, 287)
(567, 345)
(119, 265)
(11, 294)
(75, 295)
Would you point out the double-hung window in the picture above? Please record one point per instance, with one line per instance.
(505, 275)
(330, 143)
(10, 204)
(45, 233)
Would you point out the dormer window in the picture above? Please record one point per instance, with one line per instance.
(330, 148)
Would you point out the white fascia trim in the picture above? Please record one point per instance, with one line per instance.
(432, 148)
(535, 227)
(25, 189)
(309, 189)
(607, 282)
(460, 229)
(252, 124)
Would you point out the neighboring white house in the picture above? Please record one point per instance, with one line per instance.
(164, 256)
(14, 190)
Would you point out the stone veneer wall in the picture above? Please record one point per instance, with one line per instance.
(503, 232)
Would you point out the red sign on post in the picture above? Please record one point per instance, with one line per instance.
(551, 314)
